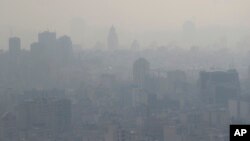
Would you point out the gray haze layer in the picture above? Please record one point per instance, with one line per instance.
(123, 70)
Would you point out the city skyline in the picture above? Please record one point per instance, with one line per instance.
(123, 70)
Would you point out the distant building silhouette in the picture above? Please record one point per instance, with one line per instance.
(218, 86)
(14, 45)
(47, 38)
(35, 48)
(49, 46)
(46, 45)
(113, 42)
(141, 69)
(65, 44)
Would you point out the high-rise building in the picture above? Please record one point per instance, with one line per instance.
(36, 48)
(46, 44)
(141, 70)
(14, 45)
(113, 42)
(65, 43)
(47, 38)
(219, 86)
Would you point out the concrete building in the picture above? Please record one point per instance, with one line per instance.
(14, 45)
(141, 68)
(113, 42)
(218, 86)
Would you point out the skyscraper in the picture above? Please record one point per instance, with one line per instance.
(113, 42)
(65, 43)
(140, 71)
(14, 45)
(218, 86)
(47, 38)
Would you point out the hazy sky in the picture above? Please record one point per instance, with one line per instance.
(134, 19)
(131, 14)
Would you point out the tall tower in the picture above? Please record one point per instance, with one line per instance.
(113, 42)
(141, 70)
